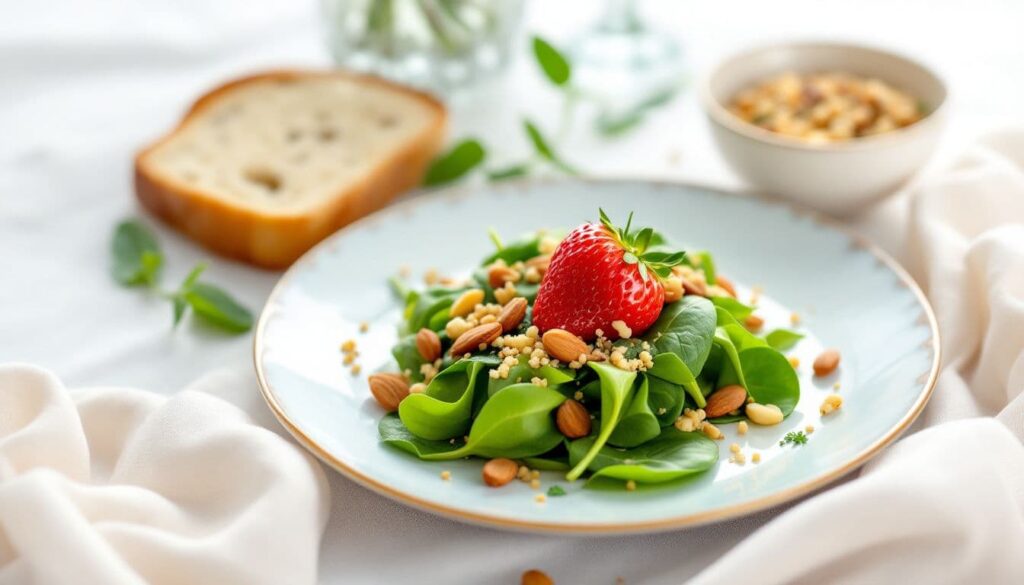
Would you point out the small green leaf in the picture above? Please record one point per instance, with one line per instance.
(643, 239)
(136, 254)
(794, 438)
(519, 170)
(783, 339)
(555, 66)
(193, 276)
(556, 490)
(458, 161)
(543, 148)
(610, 124)
(707, 264)
(179, 306)
(643, 272)
(629, 258)
(218, 308)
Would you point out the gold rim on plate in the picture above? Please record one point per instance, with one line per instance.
(675, 522)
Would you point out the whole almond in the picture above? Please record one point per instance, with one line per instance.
(498, 472)
(536, 577)
(389, 390)
(573, 420)
(428, 344)
(725, 400)
(753, 323)
(470, 341)
(673, 286)
(695, 287)
(498, 275)
(563, 346)
(512, 314)
(726, 284)
(826, 362)
(541, 263)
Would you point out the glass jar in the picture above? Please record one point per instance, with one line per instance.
(441, 45)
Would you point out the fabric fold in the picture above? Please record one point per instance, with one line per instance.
(114, 485)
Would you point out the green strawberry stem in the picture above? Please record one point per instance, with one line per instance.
(636, 246)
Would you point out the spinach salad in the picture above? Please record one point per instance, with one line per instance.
(481, 373)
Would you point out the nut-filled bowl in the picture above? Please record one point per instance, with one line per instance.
(839, 177)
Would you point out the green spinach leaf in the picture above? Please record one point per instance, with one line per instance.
(616, 387)
(738, 310)
(666, 399)
(770, 378)
(426, 304)
(394, 433)
(408, 357)
(681, 338)
(671, 455)
(638, 423)
(685, 328)
(783, 339)
(515, 423)
(444, 409)
(520, 250)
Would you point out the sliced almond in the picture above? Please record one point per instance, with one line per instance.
(562, 345)
(471, 340)
(725, 400)
(466, 302)
(498, 472)
(512, 314)
(389, 390)
(573, 420)
(826, 362)
(428, 344)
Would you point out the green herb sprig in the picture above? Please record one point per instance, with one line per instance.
(555, 491)
(137, 262)
(469, 154)
(794, 438)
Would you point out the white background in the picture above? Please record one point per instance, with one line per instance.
(85, 84)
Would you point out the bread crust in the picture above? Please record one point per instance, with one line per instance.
(276, 240)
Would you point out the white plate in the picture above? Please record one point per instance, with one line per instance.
(848, 295)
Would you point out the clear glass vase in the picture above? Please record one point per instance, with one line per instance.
(441, 45)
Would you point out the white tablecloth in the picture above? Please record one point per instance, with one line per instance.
(86, 84)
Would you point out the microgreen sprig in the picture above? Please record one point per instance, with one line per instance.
(469, 154)
(137, 261)
(794, 438)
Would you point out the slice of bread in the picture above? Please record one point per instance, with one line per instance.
(264, 167)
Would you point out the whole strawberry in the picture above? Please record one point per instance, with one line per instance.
(600, 274)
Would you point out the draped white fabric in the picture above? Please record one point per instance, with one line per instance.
(945, 505)
(121, 486)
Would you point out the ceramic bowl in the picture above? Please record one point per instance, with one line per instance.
(838, 178)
